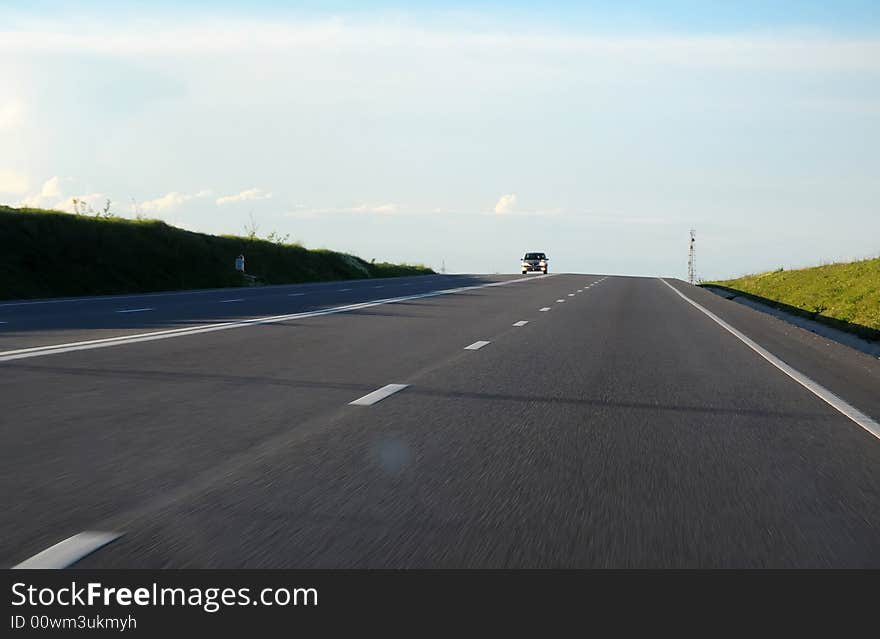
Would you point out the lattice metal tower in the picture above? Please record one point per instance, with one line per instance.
(692, 258)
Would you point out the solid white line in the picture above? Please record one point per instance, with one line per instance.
(476, 346)
(69, 551)
(814, 387)
(521, 323)
(237, 299)
(545, 309)
(378, 395)
(108, 298)
(54, 349)
(135, 310)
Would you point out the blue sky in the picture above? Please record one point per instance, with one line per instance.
(717, 16)
(461, 134)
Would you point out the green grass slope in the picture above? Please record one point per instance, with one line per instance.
(51, 254)
(846, 294)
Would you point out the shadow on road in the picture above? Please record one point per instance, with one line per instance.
(244, 380)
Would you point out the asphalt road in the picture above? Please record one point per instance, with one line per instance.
(622, 427)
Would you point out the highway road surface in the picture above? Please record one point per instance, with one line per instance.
(436, 421)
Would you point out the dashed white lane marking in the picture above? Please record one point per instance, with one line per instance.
(206, 291)
(380, 286)
(571, 294)
(545, 309)
(294, 294)
(814, 387)
(378, 395)
(560, 301)
(476, 346)
(521, 323)
(135, 310)
(55, 349)
(4, 322)
(342, 290)
(69, 551)
(237, 299)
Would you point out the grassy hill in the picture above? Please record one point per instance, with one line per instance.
(50, 253)
(846, 295)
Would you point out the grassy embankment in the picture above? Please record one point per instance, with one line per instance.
(845, 295)
(50, 254)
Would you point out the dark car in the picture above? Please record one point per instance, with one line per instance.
(534, 262)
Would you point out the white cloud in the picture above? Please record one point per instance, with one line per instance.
(13, 183)
(51, 187)
(170, 201)
(249, 194)
(758, 51)
(379, 208)
(50, 194)
(506, 203)
(11, 113)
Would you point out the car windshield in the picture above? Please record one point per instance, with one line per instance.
(535, 256)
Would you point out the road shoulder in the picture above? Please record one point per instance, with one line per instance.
(850, 374)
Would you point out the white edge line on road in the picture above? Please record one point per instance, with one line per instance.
(521, 323)
(69, 551)
(53, 349)
(237, 299)
(135, 310)
(814, 387)
(545, 309)
(378, 395)
(476, 345)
